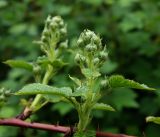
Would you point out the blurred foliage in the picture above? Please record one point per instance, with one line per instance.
(131, 30)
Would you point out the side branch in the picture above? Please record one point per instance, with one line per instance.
(48, 127)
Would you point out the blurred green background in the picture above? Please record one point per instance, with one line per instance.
(131, 31)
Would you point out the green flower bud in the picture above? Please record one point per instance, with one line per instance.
(48, 20)
(80, 42)
(46, 33)
(57, 19)
(79, 58)
(96, 40)
(103, 55)
(61, 24)
(63, 32)
(104, 83)
(36, 69)
(96, 61)
(7, 93)
(89, 34)
(64, 44)
(44, 39)
(53, 25)
(91, 47)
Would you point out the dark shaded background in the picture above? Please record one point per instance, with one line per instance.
(131, 31)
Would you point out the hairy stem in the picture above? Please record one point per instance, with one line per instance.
(46, 79)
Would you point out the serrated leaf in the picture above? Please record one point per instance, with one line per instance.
(37, 88)
(116, 81)
(75, 80)
(88, 73)
(102, 106)
(19, 64)
(153, 119)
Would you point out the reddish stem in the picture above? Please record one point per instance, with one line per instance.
(47, 127)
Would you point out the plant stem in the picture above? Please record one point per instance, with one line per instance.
(38, 97)
(48, 127)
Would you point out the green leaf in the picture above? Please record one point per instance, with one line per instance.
(53, 99)
(153, 119)
(19, 64)
(75, 80)
(18, 29)
(123, 98)
(37, 88)
(108, 67)
(88, 73)
(116, 81)
(102, 106)
(58, 64)
(80, 91)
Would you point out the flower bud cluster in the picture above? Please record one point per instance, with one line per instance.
(4, 94)
(54, 31)
(91, 49)
(89, 40)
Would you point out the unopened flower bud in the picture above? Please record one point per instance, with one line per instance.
(48, 20)
(63, 31)
(44, 39)
(91, 47)
(57, 19)
(80, 42)
(96, 61)
(46, 32)
(79, 58)
(96, 40)
(104, 83)
(103, 55)
(36, 69)
(64, 44)
(61, 24)
(53, 25)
